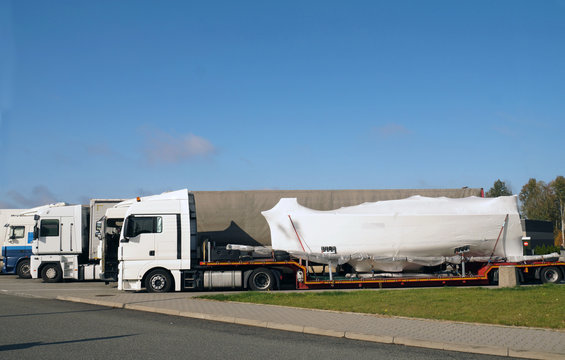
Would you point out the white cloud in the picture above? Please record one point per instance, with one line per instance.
(162, 147)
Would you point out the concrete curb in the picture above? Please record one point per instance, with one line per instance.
(286, 327)
(323, 332)
(249, 322)
(476, 349)
(151, 309)
(418, 343)
(534, 355)
(372, 338)
(92, 301)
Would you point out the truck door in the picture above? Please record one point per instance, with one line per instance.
(167, 238)
(68, 231)
(56, 235)
(49, 240)
(139, 237)
(14, 247)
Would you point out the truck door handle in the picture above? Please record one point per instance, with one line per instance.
(151, 252)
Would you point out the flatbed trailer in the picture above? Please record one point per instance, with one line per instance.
(304, 278)
(160, 250)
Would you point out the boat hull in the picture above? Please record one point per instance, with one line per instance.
(398, 235)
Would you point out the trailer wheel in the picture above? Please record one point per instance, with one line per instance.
(159, 281)
(23, 269)
(261, 279)
(493, 277)
(550, 275)
(51, 273)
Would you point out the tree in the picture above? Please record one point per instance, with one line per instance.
(558, 188)
(499, 189)
(538, 201)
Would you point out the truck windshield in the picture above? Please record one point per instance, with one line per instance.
(17, 232)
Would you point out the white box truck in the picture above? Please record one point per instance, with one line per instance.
(65, 245)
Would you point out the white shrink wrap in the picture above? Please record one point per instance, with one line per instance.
(399, 235)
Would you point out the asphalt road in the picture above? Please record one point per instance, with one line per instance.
(51, 329)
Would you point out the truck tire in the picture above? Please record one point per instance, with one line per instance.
(159, 281)
(23, 269)
(51, 273)
(550, 275)
(261, 279)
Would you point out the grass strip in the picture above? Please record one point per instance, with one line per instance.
(532, 306)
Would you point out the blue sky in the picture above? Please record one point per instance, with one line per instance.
(114, 99)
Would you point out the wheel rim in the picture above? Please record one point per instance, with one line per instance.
(158, 282)
(551, 276)
(51, 273)
(262, 281)
(24, 270)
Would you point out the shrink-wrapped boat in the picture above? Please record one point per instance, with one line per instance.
(400, 235)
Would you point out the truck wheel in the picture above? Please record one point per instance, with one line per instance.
(51, 273)
(550, 275)
(159, 281)
(23, 269)
(261, 279)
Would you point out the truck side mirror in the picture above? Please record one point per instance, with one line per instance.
(127, 230)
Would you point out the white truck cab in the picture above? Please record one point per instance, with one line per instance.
(60, 237)
(17, 235)
(157, 240)
(65, 245)
(108, 230)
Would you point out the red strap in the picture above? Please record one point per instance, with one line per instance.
(498, 238)
(296, 232)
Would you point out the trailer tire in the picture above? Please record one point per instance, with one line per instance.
(261, 279)
(550, 275)
(23, 269)
(51, 273)
(493, 277)
(159, 281)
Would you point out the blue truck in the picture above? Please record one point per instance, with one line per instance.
(16, 247)
(17, 238)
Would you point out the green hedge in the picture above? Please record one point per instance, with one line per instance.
(546, 249)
